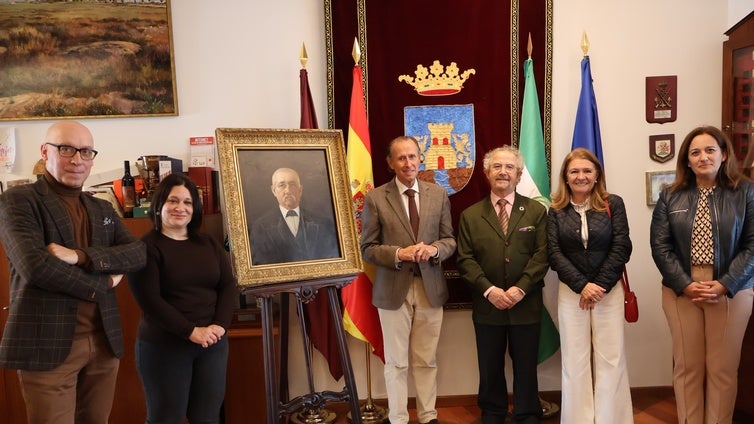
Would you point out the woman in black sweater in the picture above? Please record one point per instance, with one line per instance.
(186, 292)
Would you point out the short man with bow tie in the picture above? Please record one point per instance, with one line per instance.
(502, 255)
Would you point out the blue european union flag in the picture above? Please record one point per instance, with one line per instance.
(586, 132)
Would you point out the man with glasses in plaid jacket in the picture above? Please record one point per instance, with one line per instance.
(67, 252)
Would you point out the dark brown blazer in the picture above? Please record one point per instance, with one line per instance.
(385, 228)
(44, 290)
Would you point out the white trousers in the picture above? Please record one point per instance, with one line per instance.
(411, 331)
(595, 379)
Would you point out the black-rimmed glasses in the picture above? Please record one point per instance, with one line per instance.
(70, 151)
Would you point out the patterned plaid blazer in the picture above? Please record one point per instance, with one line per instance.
(44, 290)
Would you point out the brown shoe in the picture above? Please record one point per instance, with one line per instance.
(433, 421)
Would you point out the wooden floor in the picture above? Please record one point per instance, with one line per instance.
(651, 406)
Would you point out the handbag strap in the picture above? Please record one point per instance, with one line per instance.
(624, 280)
(626, 286)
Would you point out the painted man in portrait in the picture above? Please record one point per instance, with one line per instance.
(290, 233)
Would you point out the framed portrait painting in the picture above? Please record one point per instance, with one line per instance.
(63, 59)
(287, 205)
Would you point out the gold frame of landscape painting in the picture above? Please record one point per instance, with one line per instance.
(86, 60)
(248, 157)
(656, 181)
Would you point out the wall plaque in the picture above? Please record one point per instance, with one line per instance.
(661, 99)
(662, 147)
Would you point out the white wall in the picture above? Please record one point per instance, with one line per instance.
(237, 66)
(737, 10)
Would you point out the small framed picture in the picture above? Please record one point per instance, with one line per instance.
(656, 181)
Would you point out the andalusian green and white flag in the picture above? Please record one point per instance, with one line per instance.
(535, 183)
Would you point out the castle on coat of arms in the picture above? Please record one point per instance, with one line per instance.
(443, 149)
(445, 134)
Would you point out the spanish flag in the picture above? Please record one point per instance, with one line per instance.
(360, 317)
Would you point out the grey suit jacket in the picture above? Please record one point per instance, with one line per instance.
(487, 257)
(44, 290)
(385, 229)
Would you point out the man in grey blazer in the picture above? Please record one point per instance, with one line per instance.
(409, 288)
(67, 252)
(502, 255)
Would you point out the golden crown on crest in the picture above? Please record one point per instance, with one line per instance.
(442, 81)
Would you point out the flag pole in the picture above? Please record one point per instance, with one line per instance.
(309, 415)
(370, 412)
(585, 43)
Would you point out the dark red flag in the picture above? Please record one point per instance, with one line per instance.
(319, 323)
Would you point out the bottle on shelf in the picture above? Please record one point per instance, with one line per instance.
(128, 186)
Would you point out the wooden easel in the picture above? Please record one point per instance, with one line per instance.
(304, 291)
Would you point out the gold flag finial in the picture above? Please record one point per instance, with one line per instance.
(585, 44)
(529, 46)
(356, 52)
(302, 56)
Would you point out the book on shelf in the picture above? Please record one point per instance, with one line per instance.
(205, 179)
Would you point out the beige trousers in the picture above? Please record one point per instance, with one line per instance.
(410, 335)
(707, 341)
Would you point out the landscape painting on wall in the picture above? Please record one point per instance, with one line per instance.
(64, 59)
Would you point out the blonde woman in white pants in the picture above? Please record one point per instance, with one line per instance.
(588, 244)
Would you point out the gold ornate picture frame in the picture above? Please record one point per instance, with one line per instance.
(248, 158)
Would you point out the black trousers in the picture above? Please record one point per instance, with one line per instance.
(523, 343)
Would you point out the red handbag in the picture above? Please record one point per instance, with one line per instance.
(631, 307)
(630, 304)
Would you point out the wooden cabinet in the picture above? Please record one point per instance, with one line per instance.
(738, 90)
(11, 402)
(245, 394)
(738, 123)
(245, 398)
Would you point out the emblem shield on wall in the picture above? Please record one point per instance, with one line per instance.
(446, 142)
(662, 147)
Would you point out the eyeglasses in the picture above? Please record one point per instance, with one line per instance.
(508, 167)
(70, 151)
